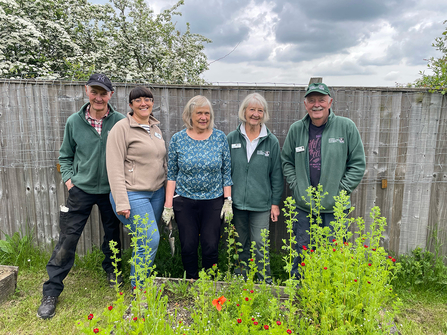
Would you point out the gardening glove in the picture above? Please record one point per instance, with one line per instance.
(167, 215)
(227, 210)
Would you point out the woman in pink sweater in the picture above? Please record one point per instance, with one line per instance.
(136, 168)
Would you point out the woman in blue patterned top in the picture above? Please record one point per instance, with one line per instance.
(199, 171)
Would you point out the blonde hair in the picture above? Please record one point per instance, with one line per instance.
(194, 103)
(254, 98)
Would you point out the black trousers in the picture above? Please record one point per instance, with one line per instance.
(198, 220)
(72, 223)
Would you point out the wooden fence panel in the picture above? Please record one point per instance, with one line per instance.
(403, 130)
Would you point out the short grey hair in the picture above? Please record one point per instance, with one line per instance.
(197, 102)
(254, 98)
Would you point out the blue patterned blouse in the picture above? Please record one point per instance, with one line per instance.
(200, 168)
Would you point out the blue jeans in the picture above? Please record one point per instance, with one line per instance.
(300, 229)
(142, 203)
(248, 225)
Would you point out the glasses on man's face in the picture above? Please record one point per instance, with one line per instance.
(140, 100)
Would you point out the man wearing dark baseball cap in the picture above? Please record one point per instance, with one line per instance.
(322, 148)
(83, 168)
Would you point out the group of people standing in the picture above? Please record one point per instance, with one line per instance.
(121, 164)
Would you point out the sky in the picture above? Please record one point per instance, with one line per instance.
(347, 42)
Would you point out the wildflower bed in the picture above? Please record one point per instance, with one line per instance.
(345, 288)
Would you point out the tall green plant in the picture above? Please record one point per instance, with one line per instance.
(347, 286)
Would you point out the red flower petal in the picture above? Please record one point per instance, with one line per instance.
(303, 264)
(110, 308)
(239, 320)
(266, 327)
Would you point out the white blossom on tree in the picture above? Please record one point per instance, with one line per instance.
(73, 38)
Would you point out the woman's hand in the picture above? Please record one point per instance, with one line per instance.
(227, 210)
(274, 213)
(125, 213)
(167, 215)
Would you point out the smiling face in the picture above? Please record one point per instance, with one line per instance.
(254, 114)
(98, 98)
(317, 105)
(142, 109)
(201, 118)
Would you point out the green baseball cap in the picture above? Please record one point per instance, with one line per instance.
(317, 88)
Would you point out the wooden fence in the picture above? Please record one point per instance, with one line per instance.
(403, 131)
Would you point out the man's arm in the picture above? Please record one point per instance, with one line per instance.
(66, 156)
(356, 162)
(288, 159)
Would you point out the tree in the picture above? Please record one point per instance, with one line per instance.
(37, 36)
(72, 38)
(437, 82)
(144, 46)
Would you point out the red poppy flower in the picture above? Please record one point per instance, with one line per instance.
(304, 247)
(369, 264)
(251, 259)
(239, 320)
(246, 298)
(90, 316)
(333, 250)
(237, 305)
(135, 319)
(134, 287)
(278, 323)
(312, 250)
(219, 302)
(390, 257)
(96, 330)
(121, 293)
(365, 246)
(333, 240)
(289, 331)
(374, 249)
(393, 259)
(255, 323)
(110, 308)
(251, 291)
(325, 268)
(369, 282)
(252, 319)
(355, 280)
(266, 327)
(303, 264)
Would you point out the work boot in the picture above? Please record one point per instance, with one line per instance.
(47, 307)
(113, 279)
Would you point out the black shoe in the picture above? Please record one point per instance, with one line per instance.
(47, 307)
(113, 279)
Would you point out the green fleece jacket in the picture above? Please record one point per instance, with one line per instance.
(258, 184)
(82, 155)
(342, 159)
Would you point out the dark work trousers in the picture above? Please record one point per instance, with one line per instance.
(72, 223)
(194, 218)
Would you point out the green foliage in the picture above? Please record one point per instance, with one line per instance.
(346, 286)
(437, 82)
(70, 39)
(423, 270)
(181, 289)
(19, 250)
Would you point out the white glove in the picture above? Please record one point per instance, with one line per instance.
(227, 210)
(167, 215)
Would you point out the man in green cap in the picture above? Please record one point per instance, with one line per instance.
(322, 148)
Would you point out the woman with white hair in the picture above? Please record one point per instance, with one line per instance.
(257, 176)
(199, 171)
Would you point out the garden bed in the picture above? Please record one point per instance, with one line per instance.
(8, 281)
